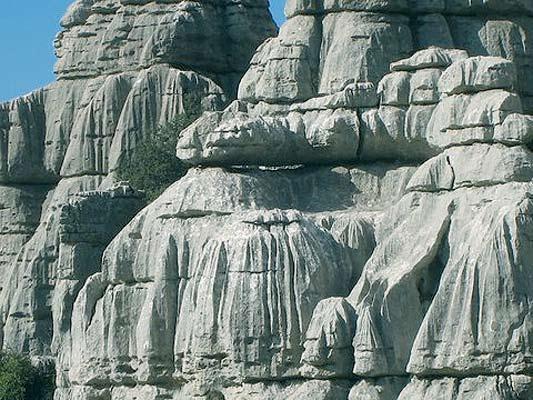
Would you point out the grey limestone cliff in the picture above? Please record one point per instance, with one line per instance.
(368, 235)
(123, 69)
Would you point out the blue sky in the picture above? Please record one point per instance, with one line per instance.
(27, 31)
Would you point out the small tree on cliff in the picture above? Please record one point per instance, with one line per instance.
(20, 380)
(153, 166)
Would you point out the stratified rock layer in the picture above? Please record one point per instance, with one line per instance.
(102, 37)
(311, 95)
(431, 301)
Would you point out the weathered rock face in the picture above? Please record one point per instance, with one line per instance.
(446, 292)
(124, 68)
(358, 224)
(63, 251)
(229, 253)
(311, 94)
(102, 37)
(20, 212)
(485, 27)
(229, 271)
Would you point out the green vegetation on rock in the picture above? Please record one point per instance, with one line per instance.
(20, 380)
(153, 166)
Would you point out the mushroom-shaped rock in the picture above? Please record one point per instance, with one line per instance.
(236, 138)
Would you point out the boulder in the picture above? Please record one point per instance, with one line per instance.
(284, 69)
(477, 74)
(465, 119)
(476, 165)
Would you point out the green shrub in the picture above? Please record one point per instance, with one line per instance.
(20, 380)
(153, 166)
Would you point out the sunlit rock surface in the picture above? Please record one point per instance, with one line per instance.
(124, 68)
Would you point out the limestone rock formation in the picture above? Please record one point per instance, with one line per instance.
(357, 224)
(437, 251)
(310, 95)
(229, 254)
(446, 292)
(124, 68)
